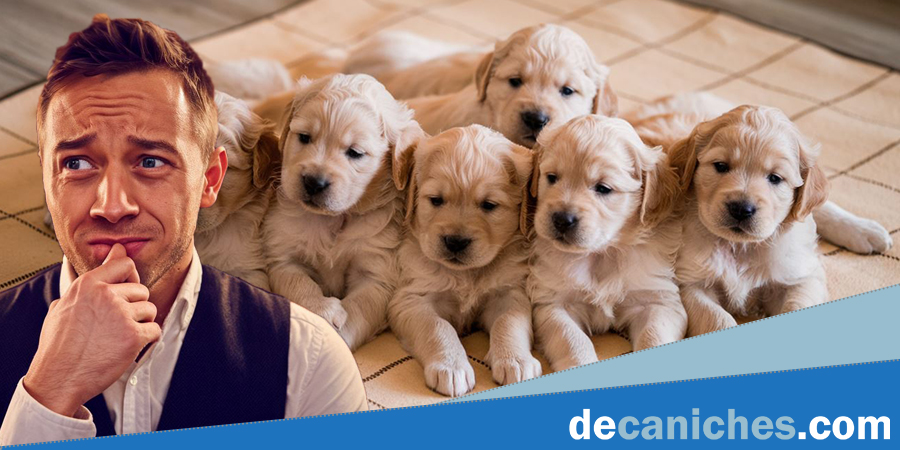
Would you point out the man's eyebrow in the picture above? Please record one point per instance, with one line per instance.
(149, 144)
(77, 143)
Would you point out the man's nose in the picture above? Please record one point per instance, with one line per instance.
(114, 200)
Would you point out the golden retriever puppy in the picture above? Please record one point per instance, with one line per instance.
(251, 80)
(670, 119)
(539, 76)
(464, 261)
(410, 65)
(331, 235)
(228, 235)
(751, 184)
(604, 252)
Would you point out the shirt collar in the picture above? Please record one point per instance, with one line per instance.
(185, 300)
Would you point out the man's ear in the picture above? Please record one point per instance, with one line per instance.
(215, 175)
(483, 75)
(814, 191)
(661, 188)
(266, 160)
(606, 102)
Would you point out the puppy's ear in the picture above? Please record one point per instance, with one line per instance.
(605, 101)
(402, 161)
(266, 158)
(411, 193)
(483, 75)
(661, 188)
(814, 191)
(303, 85)
(530, 191)
(683, 154)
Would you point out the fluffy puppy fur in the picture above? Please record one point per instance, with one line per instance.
(464, 261)
(672, 118)
(332, 234)
(251, 80)
(228, 235)
(605, 242)
(410, 65)
(751, 183)
(539, 76)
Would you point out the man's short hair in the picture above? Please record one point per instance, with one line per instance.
(120, 46)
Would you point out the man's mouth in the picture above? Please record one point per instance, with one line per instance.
(100, 247)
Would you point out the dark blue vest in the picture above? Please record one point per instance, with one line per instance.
(232, 367)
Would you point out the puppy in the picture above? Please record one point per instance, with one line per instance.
(251, 80)
(411, 66)
(670, 119)
(540, 75)
(228, 235)
(331, 235)
(751, 182)
(464, 261)
(604, 251)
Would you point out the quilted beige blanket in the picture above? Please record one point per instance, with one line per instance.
(654, 48)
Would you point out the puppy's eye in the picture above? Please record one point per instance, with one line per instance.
(551, 178)
(602, 189)
(721, 167)
(436, 201)
(353, 153)
(304, 138)
(515, 82)
(566, 91)
(775, 179)
(488, 205)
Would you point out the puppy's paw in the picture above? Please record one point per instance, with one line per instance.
(330, 309)
(514, 369)
(573, 361)
(865, 237)
(450, 377)
(715, 321)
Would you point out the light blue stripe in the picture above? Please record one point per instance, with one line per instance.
(855, 329)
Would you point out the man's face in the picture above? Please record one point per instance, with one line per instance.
(122, 164)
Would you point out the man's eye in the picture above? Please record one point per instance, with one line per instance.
(152, 163)
(775, 179)
(551, 178)
(436, 201)
(78, 164)
(304, 138)
(721, 167)
(488, 205)
(566, 91)
(353, 153)
(515, 82)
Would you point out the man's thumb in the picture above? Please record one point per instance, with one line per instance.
(117, 251)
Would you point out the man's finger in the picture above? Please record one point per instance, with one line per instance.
(117, 251)
(131, 292)
(149, 332)
(117, 270)
(143, 311)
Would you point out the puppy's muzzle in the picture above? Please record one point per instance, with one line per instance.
(535, 120)
(741, 211)
(456, 244)
(564, 222)
(314, 185)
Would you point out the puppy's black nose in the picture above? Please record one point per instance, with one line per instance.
(535, 120)
(741, 210)
(315, 184)
(456, 244)
(564, 221)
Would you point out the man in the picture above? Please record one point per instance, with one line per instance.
(131, 333)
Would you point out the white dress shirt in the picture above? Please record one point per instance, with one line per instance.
(322, 376)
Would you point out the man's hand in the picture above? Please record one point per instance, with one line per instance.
(91, 335)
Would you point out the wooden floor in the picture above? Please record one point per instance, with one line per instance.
(31, 30)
